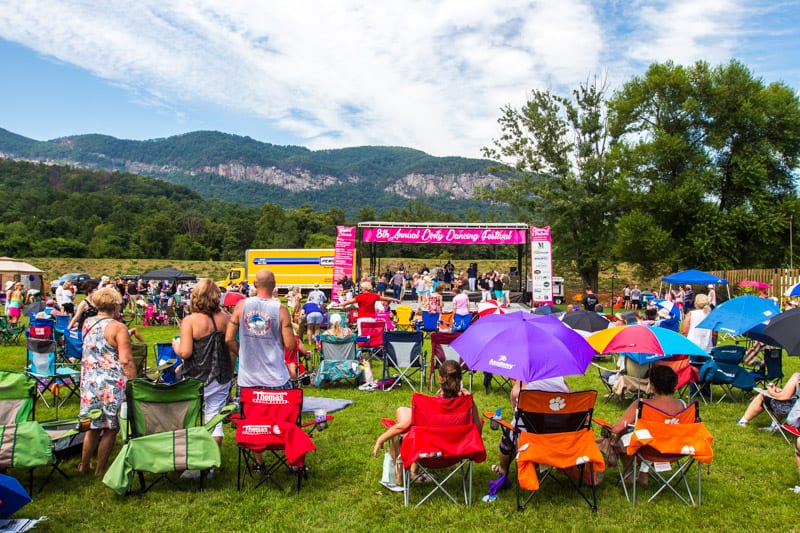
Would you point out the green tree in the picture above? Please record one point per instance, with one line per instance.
(554, 151)
(707, 160)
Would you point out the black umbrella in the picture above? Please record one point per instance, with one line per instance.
(34, 307)
(585, 320)
(785, 329)
(547, 310)
(171, 274)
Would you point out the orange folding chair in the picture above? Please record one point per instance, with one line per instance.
(553, 432)
(669, 445)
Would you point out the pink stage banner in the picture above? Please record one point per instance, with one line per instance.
(542, 265)
(343, 257)
(445, 235)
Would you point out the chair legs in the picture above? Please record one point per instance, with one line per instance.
(439, 480)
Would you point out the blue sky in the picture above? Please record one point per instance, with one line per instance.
(427, 75)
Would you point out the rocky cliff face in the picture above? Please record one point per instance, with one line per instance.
(455, 186)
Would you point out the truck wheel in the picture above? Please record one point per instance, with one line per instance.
(559, 301)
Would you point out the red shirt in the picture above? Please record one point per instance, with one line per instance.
(366, 304)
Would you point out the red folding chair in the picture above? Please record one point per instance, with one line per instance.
(441, 351)
(444, 439)
(371, 338)
(270, 422)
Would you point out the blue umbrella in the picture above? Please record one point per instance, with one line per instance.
(794, 290)
(740, 314)
(12, 495)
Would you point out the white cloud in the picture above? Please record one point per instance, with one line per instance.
(429, 75)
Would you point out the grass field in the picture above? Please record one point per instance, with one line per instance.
(745, 488)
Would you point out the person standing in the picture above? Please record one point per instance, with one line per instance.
(398, 281)
(590, 299)
(704, 338)
(636, 297)
(64, 297)
(106, 366)
(259, 332)
(626, 297)
(712, 296)
(202, 347)
(688, 299)
(317, 296)
(472, 276)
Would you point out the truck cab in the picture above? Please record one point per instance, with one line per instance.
(235, 277)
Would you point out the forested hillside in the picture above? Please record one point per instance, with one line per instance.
(249, 172)
(56, 211)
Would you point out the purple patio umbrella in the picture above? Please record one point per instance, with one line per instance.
(524, 346)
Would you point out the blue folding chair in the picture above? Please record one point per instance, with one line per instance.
(402, 351)
(164, 355)
(48, 375)
(73, 345)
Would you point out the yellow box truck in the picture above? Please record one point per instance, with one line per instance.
(292, 267)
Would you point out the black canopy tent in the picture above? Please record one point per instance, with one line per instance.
(170, 274)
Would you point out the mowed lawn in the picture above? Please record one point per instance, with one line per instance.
(744, 489)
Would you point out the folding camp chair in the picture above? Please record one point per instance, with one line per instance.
(165, 356)
(269, 421)
(461, 322)
(443, 436)
(687, 373)
(338, 360)
(446, 321)
(139, 351)
(723, 370)
(49, 376)
(371, 339)
(9, 334)
(430, 322)
(164, 432)
(405, 318)
(630, 380)
(441, 351)
(24, 443)
(73, 345)
(402, 351)
(44, 332)
(665, 442)
(772, 370)
(552, 432)
(778, 420)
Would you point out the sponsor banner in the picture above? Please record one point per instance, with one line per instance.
(445, 235)
(542, 265)
(343, 257)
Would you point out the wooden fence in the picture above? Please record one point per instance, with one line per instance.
(779, 279)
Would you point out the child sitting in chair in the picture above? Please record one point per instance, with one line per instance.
(449, 387)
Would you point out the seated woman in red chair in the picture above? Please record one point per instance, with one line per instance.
(449, 387)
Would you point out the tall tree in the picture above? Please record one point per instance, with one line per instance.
(554, 150)
(708, 160)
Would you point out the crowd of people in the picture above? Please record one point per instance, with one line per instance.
(265, 336)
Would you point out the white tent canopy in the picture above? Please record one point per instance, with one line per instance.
(15, 270)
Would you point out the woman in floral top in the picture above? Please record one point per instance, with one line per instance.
(106, 367)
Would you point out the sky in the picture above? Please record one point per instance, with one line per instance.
(430, 75)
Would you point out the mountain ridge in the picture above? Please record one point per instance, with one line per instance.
(244, 170)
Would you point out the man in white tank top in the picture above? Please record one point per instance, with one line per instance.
(259, 330)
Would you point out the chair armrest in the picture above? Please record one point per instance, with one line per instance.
(601, 367)
(602, 423)
(505, 423)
